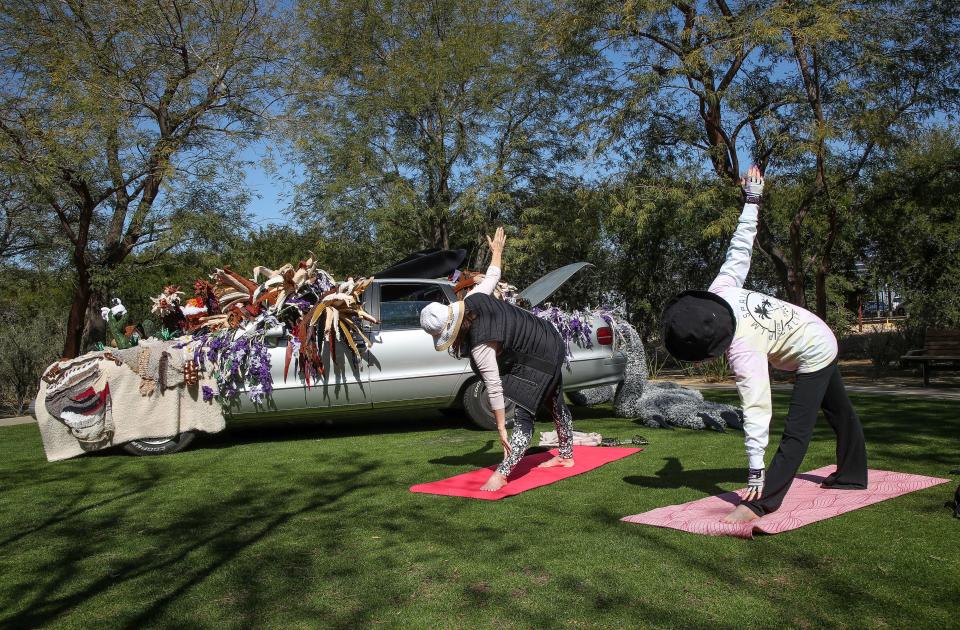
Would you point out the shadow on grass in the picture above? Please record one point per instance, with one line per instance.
(330, 536)
(347, 424)
(486, 455)
(181, 549)
(72, 509)
(673, 476)
(914, 431)
(481, 457)
(596, 412)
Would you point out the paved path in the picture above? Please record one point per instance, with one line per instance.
(6, 422)
(934, 393)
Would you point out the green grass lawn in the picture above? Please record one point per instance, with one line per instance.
(310, 524)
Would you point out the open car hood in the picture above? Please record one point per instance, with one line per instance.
(547, 285)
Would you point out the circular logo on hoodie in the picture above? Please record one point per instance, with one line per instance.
(772, 315)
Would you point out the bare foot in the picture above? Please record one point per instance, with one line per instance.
(742, 514)
(565, 462)
(494, 483)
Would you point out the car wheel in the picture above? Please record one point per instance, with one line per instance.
(477, 405)
(160, 446)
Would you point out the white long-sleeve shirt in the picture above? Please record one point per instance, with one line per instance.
(768, 331)
(485, 354)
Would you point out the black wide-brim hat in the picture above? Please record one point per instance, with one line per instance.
(697, 325)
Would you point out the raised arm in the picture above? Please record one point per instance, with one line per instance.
(485, 354)
(496, 247)
(737, 264)
(492, 277)
(753, 385)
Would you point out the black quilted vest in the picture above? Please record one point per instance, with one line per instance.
(532, 350)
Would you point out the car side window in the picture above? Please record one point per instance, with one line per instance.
(401, 303)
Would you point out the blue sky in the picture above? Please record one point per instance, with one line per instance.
(271, 192)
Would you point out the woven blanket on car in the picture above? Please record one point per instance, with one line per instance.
(92, 402)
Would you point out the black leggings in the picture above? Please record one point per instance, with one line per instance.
(523, 431)
(814, 391)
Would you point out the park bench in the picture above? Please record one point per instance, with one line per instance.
(941, 350)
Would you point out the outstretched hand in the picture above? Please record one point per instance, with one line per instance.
(498, 241)
(504, 441)
(501, 419)
(496, 247)
(756, 478)
(752, 184)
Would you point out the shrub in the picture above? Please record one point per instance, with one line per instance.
(712, 371)
(657, 359)
(883, 347)
(28, 344)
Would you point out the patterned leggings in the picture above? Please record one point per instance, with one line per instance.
(523, 431)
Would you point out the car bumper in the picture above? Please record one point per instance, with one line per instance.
(594, 372)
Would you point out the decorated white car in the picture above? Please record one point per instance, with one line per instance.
(293, 343)
(400, 367)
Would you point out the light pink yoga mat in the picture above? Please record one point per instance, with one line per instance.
(806, 502)
(526, 476)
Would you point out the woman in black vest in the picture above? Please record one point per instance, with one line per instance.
(517, 354)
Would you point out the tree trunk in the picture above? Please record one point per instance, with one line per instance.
(78, 311)
(772, 251)
(444, 235)
(796, 283)
(821, 289)
(439, 230)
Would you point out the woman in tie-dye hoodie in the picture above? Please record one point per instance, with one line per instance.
(755, 330)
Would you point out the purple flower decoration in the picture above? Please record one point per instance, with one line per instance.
(241, 363)
(299, 303)
(258, 368)
(217, 345)
(575, 327)
(208, 393)
(322, 284)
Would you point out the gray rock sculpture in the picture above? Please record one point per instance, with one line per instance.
(657, 405)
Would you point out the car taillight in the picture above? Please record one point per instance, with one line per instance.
(605, 336)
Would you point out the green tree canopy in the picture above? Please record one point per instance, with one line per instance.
(109, 109)
(419, 121)
(911, 216)
(816, 91)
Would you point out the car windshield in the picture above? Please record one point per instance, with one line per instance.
(401, 303)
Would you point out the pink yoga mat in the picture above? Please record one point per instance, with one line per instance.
(806, 502)
(526, 475)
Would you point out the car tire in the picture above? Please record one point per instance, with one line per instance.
(160, 446)
(477, 406)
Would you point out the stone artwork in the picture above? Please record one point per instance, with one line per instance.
(656, 404)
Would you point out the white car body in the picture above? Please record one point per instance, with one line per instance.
(401, 368)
